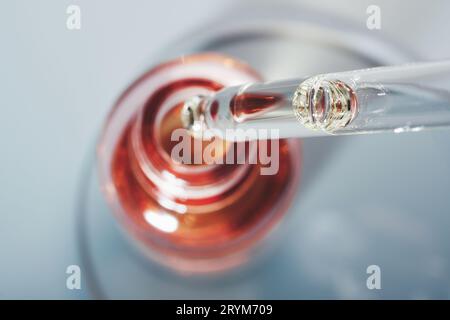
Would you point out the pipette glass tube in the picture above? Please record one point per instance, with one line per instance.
(398, 99)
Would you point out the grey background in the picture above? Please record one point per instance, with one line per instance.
(57, 85)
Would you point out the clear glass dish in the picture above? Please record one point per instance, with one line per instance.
(291, 43)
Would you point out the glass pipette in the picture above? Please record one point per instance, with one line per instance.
(402, 98)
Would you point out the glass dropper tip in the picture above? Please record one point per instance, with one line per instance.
(192, 116)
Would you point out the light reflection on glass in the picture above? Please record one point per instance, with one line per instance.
(162, 221)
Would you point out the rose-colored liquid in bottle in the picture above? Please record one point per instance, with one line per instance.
(198, 217)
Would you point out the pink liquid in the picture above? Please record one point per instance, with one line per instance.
(199, 217)
(248, 104)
